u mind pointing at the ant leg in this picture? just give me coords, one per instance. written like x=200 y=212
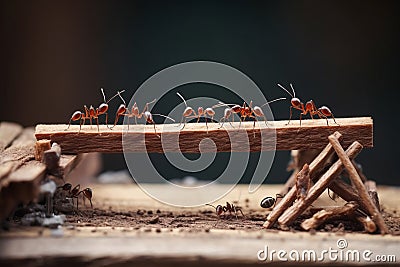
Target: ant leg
x=98 y=126
x=301 y=114
x=69 y=124
x=107 y=121
x=223 y=118
x=290 y=116
x=156 y=131
x=80 y=124
x=205 y=117
x=116 y=121
x=334 y=119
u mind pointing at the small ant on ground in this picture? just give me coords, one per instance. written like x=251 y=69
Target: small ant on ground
x=201 y=112
x=245 y=112
x=323 y=112
x=270 y=202
x=91 y=113
x=75 y=192
x=219 y=209
x=124 y=111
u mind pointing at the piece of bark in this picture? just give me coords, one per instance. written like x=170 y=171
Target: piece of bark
x=21 y=186
x=8 y=132
x=316 y=165
x=51 y=158
x=373 y=193
x=298 y=159
x=358 y=184
x=319 y=187
x=324 y=215
x=367 y=222
x=141 y=138
x=40 y=147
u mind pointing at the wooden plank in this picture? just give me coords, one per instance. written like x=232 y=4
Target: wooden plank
x=8 y=132
x=311 y=135
x=20 y=174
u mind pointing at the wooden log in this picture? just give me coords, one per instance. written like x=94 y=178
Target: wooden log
x=328 y=214
x=359 y=185
x=311 y=135
x=8 y=132
x=373 y=193
x=319 y=187
x=316 y=165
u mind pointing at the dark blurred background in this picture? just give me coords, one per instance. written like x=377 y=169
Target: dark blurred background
x=345 y=54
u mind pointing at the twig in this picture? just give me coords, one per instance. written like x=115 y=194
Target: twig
x=367 y=222
x=373 y=193
x=358 y=184
x=319 y=187
x=316 y=165
x=324 y=215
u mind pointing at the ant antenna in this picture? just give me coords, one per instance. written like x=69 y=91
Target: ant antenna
x=161 y=115
x=294 y=93
x=104 y=96
x=184 y=101
x=278 y=99
x=118 y=93
x=211 y=206
x=120 y=96
x=286 y=90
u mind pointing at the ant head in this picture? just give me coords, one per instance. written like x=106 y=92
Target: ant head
x=67 y=187
x=200 y=110
x=295 y=102
x=121 y=110
x=219 y=209
x=103 y=108
x=148 y=117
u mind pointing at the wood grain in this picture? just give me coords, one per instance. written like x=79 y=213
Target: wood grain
x=311 y=135
x=8 y=132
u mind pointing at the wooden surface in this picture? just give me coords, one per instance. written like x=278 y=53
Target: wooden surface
x=20 y=173
x=8 y=132
x=311 y=135
x=128 y=246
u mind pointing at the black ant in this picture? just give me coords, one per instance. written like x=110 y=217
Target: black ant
x=91 y=113
x=75 y=192
x=219 y=209
x=124 y=111
x=245 y=111
x=201 y=112
x=323 y=112
x=270 y=202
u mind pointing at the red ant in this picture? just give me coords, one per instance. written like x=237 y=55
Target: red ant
x=91 y=113
x=74 y=192
x=219 y=209
x=201 y=112
x=124 y=111
x=323 y=112
x=245 y=111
